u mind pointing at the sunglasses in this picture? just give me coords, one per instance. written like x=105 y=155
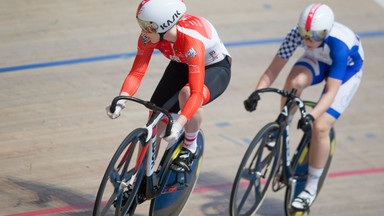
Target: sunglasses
x=147 y=26
x=312 y=35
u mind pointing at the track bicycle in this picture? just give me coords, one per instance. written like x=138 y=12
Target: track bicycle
x=132 y=177
x=267 y=162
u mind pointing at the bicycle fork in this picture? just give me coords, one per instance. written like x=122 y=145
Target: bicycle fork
x=284 y=162
x=150 y=167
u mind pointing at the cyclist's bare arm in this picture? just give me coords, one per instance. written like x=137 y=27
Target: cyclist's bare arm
x=271 y=73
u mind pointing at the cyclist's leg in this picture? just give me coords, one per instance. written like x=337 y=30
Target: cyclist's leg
x=306 y=72
x=193 y=125
x=173 y=80
x=302 y=75
x=216 y=80
x=320 y=142
x=165 y=95
x=319 y=151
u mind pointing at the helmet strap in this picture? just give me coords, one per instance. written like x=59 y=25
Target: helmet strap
x=162 y=36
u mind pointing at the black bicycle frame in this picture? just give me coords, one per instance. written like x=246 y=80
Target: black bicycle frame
x=155 y=182
x=283 y=130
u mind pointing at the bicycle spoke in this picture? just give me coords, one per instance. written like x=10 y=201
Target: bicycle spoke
x=108 y=204
x=262 y=164
x=122 y=182
x=266 y=163
x=117 y=192
x=111 y=198
x=254 y=174
x=247 y=192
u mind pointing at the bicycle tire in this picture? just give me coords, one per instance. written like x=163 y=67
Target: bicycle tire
x=173 y=202
x=118 y=173
x=300 y=161
x=257 y=159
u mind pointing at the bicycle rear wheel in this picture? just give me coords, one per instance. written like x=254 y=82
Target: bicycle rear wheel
x=255 y=172
x=299 y=166
x=116 y=195
x=179 y=186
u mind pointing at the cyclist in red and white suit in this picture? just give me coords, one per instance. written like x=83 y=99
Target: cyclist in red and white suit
x=199 y=70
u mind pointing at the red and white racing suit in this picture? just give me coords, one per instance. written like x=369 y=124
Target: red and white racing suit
x=198 y=46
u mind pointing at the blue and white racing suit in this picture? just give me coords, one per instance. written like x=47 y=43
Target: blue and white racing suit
x=340 y=57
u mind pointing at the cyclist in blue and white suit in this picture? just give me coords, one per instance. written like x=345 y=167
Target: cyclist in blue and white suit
x=333 y=53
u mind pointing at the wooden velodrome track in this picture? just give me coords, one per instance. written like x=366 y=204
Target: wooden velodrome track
x=62 y=62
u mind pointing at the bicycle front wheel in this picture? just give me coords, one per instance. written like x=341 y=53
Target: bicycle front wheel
x=120 y=182
x=255 y=172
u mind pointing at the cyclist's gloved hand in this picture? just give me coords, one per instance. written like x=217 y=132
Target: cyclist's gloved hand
x=306 y=123
x=175 y=133
x=119 y=106
x=251 y=103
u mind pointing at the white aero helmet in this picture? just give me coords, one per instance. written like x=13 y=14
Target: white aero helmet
x=316 y=22
x=159 y=16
